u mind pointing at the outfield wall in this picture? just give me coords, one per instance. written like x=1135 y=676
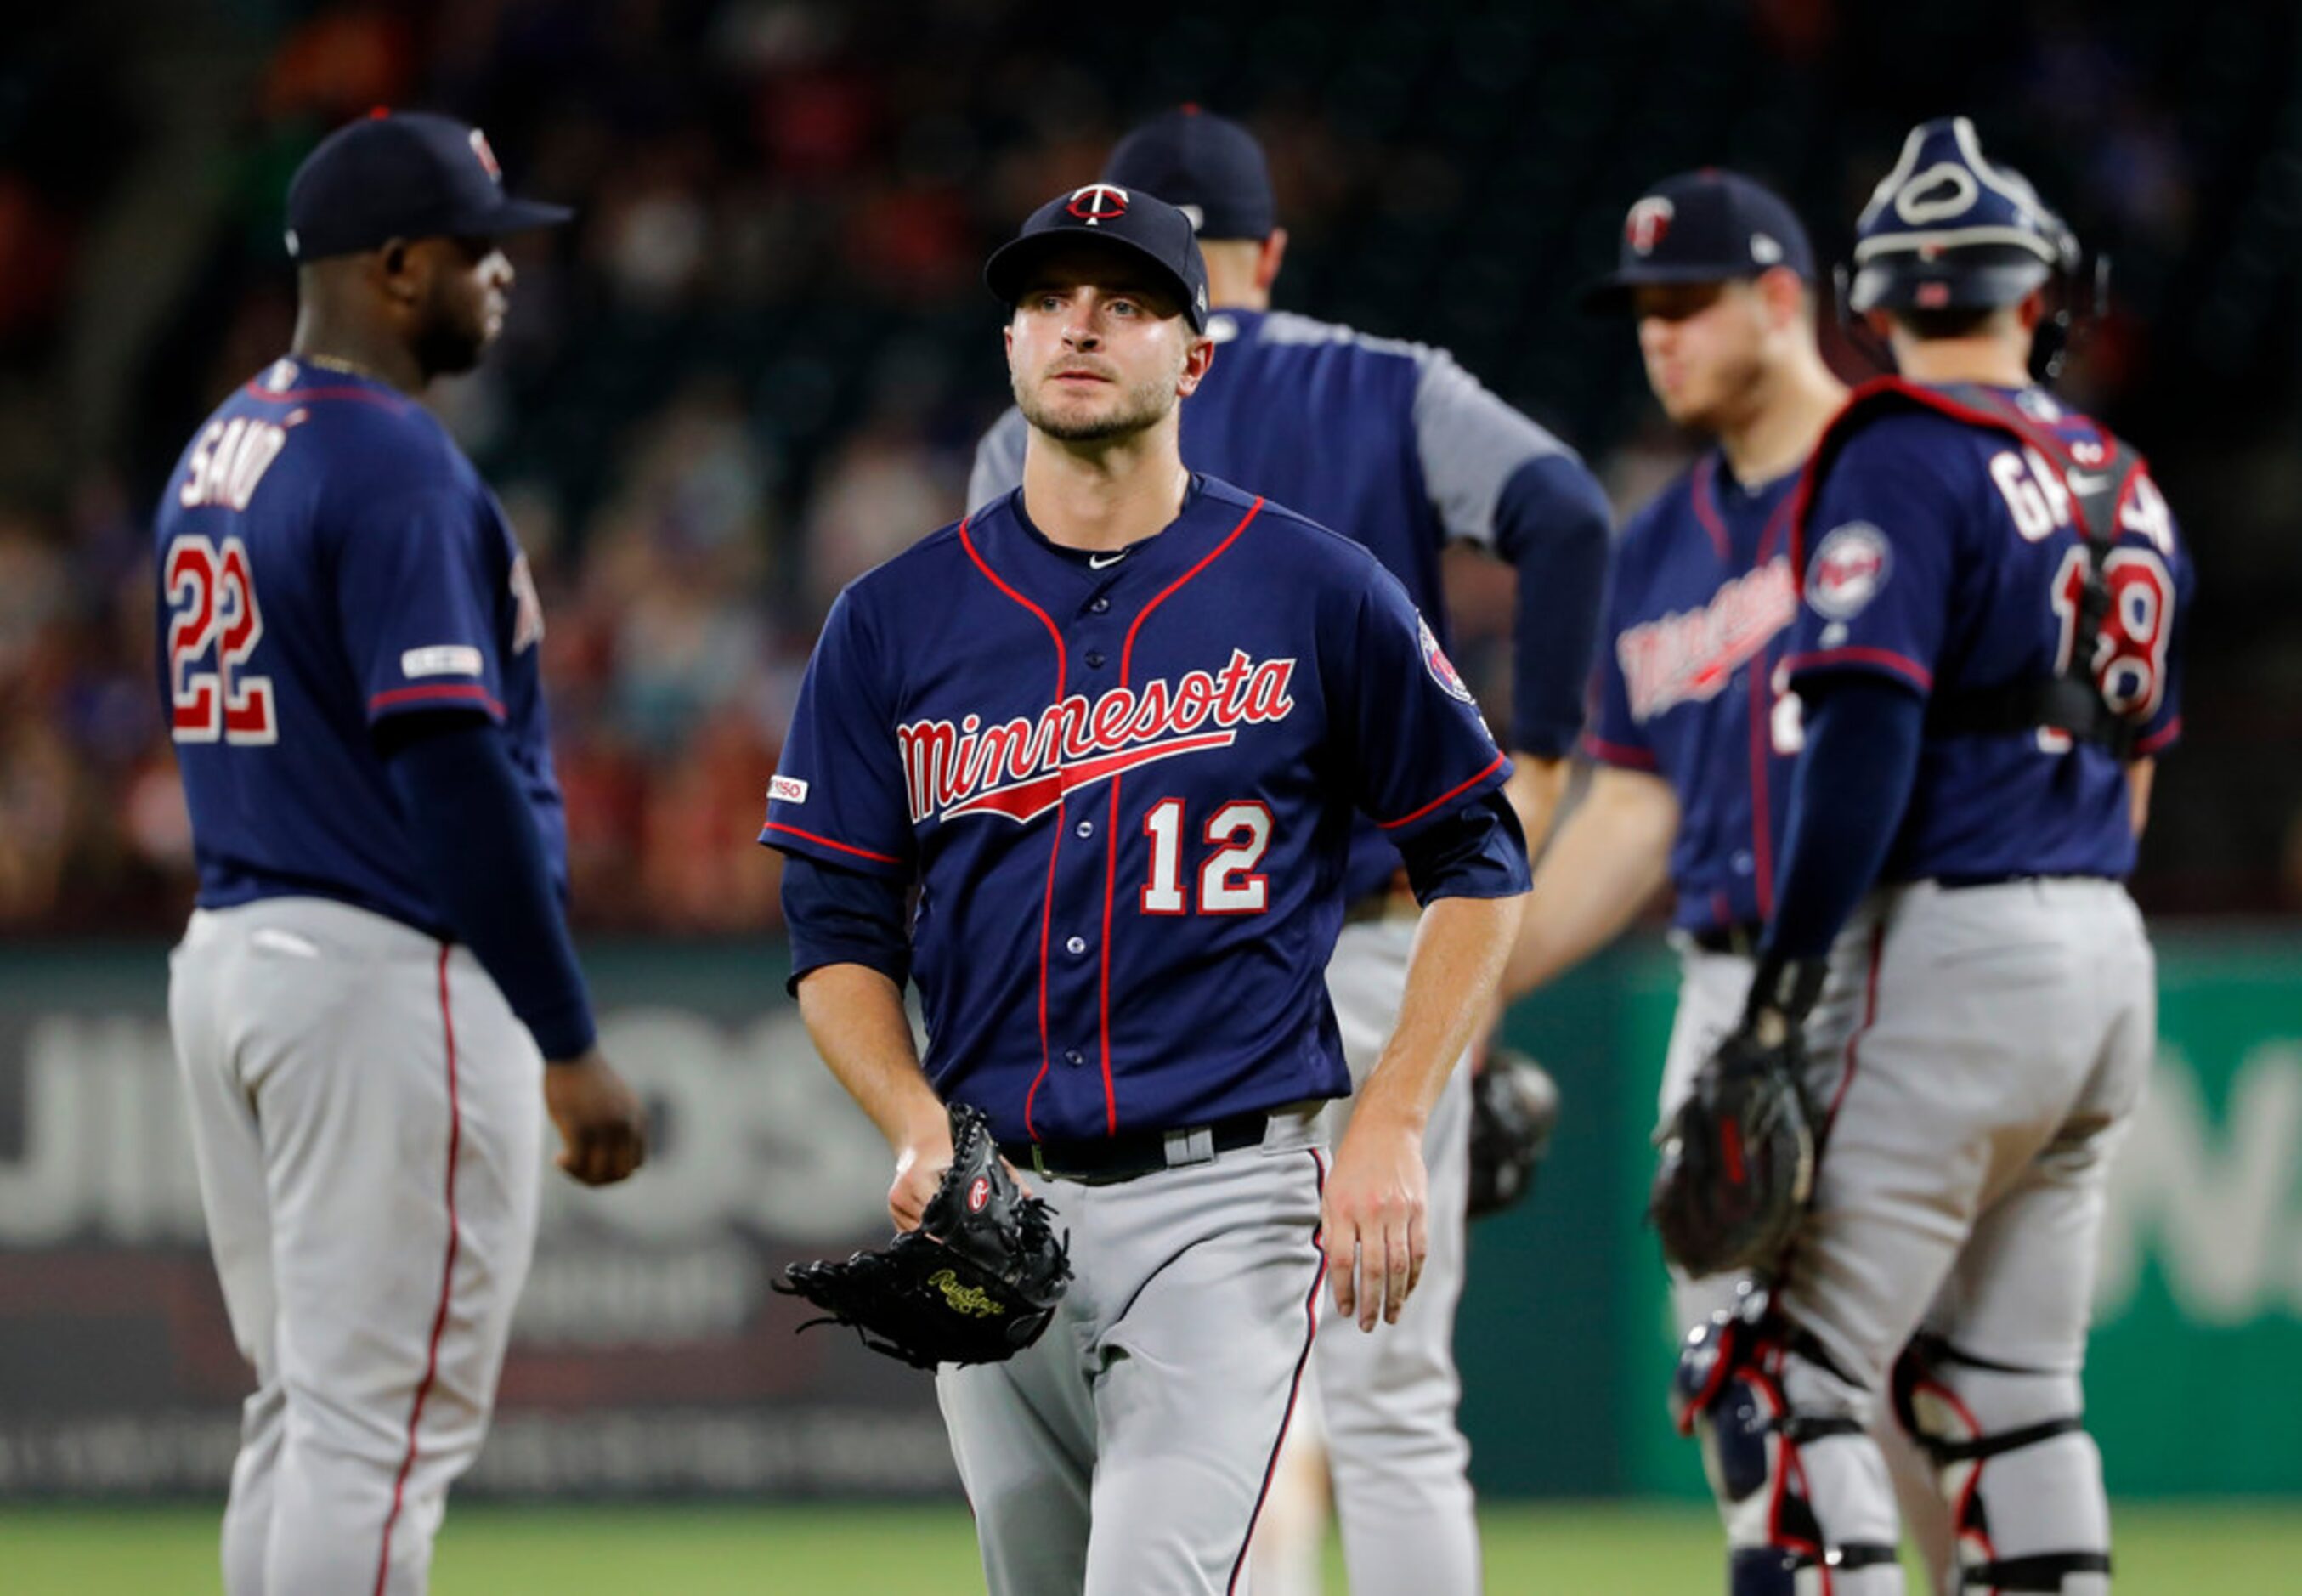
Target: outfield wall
x=650 y=1357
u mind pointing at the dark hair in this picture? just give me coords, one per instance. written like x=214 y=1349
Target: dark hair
x=1948 y=321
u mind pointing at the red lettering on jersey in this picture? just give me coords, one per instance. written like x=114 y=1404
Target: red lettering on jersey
x=1019 y=768
x=1690 y=655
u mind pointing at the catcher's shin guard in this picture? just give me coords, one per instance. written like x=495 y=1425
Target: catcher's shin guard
x=2012 y=1457
x=1803 y=1492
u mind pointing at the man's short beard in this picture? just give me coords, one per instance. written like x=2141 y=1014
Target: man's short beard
x=444 y=349
x=1147 y=406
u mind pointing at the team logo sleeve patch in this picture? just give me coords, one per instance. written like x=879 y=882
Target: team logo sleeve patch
x=1441 y=668
x=1849 y=567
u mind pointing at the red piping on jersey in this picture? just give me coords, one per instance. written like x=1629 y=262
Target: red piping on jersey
x=1619 y=753
x=1294 y=1387
x=447 y=1281
x=1702 y=488
x=294 y=396
x=1762 y=705
x=2160 y=738
x=443 y=692
x=1056 y=848
x=830 y=843
x=1110 y=833
x=1901 y=665
x=1489 y=768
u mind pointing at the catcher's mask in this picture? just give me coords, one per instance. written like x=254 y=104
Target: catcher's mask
x=1948 y=229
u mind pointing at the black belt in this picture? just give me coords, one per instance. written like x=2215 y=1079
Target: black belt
x=1961 y=882
x=1099 y=1160
x=1742 y=939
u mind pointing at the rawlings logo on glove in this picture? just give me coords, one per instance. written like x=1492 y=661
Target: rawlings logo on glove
x=976 y=1282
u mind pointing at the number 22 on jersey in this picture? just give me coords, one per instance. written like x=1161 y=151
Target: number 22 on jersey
x=212 y=607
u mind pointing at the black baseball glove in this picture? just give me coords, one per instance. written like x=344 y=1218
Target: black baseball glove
x=976 y=1282
x=1514 y=1109
x=1738 y=1157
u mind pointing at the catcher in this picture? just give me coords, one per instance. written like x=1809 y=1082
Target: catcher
x=1954 y=997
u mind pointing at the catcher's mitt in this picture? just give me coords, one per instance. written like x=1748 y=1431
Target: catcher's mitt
x=1738 y=1158
x=976 y=1282
x=1514 y=1109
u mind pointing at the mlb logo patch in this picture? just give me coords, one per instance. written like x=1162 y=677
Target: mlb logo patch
x=442 y=659
x=1849 y=567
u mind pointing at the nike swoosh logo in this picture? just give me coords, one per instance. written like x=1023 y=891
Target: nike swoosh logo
x=1096 y=562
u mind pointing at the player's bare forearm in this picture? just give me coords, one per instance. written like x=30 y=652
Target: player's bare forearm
x=1536 y=784
x=856 y=1016
x=1460 y=948
x=1610 y=858
x=1375 y=1211
x=2139 y=775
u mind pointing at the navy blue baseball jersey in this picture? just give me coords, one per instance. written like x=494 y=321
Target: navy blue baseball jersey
x=1689 y=684
x=1944 y=553
x=1125 y=786
x=1396 y=446
x=328 y=559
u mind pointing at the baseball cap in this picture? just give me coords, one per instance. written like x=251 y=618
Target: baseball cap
x=1116 y=218
x=1206 y=166
x=405 y=174
x=1705 y=226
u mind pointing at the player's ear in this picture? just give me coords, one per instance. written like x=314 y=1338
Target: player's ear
x=396 y=269
x=1273 y=254
x=1197 y=355
x=1783 y=292
x=2032 y=310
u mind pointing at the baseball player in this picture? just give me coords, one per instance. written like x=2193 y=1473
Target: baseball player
x=1990 y=589
x=1695 y=727
x=1397 y=447
x=378 y=971
x=1114 y=727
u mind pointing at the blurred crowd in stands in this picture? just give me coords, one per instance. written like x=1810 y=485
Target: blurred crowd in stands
x=758 y=363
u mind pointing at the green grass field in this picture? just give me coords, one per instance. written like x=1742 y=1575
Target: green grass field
x=1617 y=1551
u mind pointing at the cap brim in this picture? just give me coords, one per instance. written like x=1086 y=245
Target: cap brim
x=513 y=215
x=1007 y=273
x=1611 y=294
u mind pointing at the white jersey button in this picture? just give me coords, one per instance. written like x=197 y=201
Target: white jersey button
x=1086 y=827
x=1076 y=945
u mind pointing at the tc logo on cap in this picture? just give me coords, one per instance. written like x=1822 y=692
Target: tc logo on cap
x=1098 y=201
x=487 y=155
x=1648 y=223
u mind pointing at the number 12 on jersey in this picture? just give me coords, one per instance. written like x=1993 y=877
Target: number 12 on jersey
x=1228 y=881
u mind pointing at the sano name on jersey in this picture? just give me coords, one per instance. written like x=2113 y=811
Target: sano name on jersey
x=1021 y=768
